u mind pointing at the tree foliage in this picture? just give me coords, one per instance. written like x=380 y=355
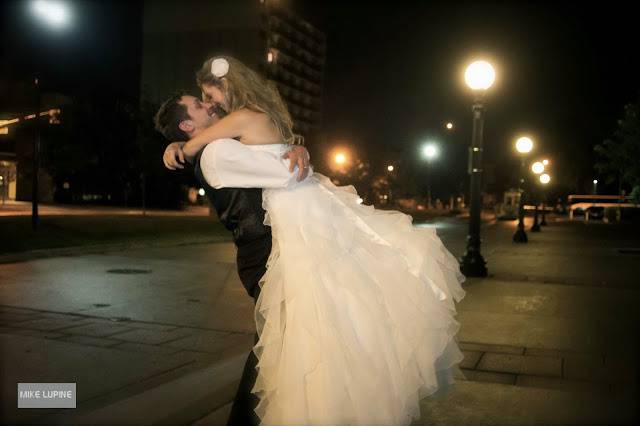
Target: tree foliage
x=620 y=154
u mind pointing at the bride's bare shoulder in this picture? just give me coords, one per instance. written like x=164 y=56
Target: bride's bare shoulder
x=248 y=113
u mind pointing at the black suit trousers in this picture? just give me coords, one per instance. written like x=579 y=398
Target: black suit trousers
x=252 y=261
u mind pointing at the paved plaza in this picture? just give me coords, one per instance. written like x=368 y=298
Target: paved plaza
x=159 y=335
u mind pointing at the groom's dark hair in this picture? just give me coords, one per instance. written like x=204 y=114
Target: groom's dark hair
x=169 y=116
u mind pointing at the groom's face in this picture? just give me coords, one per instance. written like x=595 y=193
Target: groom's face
x=201 y=114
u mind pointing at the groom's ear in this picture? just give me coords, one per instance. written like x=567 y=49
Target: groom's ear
x=186 y=126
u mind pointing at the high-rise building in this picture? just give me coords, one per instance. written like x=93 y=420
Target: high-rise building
x=268 y=36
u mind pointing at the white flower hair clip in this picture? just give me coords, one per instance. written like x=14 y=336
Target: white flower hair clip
x=219 y=67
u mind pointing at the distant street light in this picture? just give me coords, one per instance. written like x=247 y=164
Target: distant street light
x=545 y=162
x=449 y=126
x=524 y=145
x=390 y=168
x=479 y=76
x=537 y=167
x=429 y=152
x=544 y=180
x=595 y=186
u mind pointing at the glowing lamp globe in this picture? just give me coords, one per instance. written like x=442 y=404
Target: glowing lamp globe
x=537 y=167
x=545 y=178
x=480 y=75
x=524 y=145
x=429 y=151
x=55 y=14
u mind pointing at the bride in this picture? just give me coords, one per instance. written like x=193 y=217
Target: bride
x=356 y=314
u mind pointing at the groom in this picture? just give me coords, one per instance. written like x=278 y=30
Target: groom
x=182 y=117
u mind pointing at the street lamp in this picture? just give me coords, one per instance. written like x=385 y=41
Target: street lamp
x=390 y=168
x=537 y=168
x=544 y=180
x=479 y=76
x=429 y=152
x=524 y=145
x=595 y=186
x=449 y=126
x=55 y=15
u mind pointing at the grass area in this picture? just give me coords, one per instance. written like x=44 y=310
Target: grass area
x=16 y=234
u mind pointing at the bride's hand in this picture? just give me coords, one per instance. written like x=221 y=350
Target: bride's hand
x=172 y=153
x=298 y=155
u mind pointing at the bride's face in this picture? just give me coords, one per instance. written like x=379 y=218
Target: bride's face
x=213 y=94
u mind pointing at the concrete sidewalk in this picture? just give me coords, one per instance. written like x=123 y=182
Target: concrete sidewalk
x=159 y=335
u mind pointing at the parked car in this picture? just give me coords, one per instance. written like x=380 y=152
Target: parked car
x=578 y=211
x=595 y=212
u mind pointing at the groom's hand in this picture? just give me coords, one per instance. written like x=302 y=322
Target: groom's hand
x=298 y=156
x=172 y=154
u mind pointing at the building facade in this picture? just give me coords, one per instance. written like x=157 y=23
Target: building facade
x=268 y=36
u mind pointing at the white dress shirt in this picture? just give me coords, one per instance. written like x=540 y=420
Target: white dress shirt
x=227 y=163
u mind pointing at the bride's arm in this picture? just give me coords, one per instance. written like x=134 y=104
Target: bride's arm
x=231 y=126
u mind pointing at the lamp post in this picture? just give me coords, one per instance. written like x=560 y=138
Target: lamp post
x=536 y=168
x=544 y=180
x=595 y=186
x=429 y=152
x=479 y=76
x=36 y=158
x=54 y=15
x=524 y=145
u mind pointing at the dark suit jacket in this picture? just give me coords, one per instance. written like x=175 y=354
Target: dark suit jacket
x=240 y=211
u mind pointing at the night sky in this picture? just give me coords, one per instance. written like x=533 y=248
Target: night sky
x=564 y=74
x=394 y=73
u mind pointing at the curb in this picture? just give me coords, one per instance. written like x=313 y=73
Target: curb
x=103 y=248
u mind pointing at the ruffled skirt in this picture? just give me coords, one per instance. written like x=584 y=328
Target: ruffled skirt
x=356 y=314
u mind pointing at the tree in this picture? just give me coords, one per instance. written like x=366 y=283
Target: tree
x=620 y=154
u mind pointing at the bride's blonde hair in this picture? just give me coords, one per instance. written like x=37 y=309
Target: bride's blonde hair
x=245 y=88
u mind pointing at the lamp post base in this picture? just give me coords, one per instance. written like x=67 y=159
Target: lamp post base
x=536 y=223
x=520 y=236
x=472 y=264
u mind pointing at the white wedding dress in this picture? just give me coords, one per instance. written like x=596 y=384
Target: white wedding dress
x=356 y=311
